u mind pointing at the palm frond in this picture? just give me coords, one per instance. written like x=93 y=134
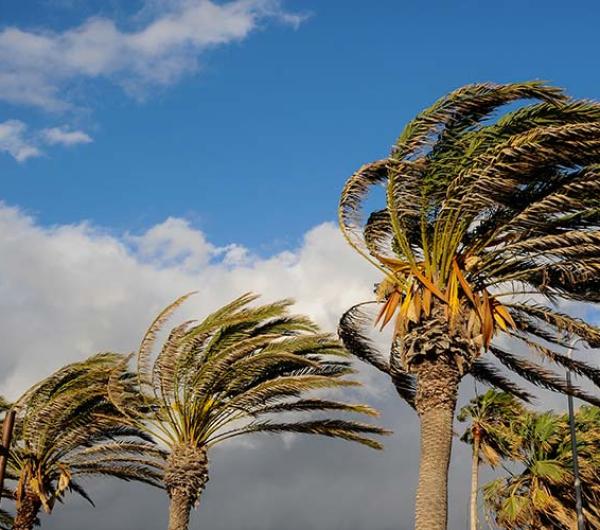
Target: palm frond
x=487 y=373
x=346 y=430
x=540 y=376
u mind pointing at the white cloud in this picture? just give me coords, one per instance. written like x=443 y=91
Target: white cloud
x=21 y=143
x=71 y=290
x=15 y=141
x=38 y=63
x=64 y=136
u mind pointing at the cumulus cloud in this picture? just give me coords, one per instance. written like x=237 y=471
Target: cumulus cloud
x=83 y=290
x=17 y=140
x=64 y=136
x=14 y=140
x=38 y=63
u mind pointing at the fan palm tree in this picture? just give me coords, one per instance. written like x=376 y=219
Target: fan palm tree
x=67 y=429
x=492 y=434
x=229 y=375
x=542 y=496
x=486 y=224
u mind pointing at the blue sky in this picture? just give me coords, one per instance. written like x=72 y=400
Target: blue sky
x=254 y=145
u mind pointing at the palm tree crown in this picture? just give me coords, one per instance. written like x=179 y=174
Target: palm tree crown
x=478 y=212
x=67 y=429
x=487 y=224
x=541 y=495
x=229 y=375
x=493 y=418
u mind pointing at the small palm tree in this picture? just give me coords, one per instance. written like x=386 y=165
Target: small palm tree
x=493 y=435
x=229 y=375
x=541 y=496
x=486 y=225
x=67 y=429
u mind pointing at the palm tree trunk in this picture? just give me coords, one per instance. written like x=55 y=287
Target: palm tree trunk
x=186 y=474
x=475 y=479
x=435 y=401
x=28 y=507
x=180 y=507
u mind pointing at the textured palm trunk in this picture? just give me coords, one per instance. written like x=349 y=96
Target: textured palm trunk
x=435 y=402
x=180 y=506
x=475 y=479
x=186 y=474
x=28 y=507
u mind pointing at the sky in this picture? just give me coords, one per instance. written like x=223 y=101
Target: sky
x=153 y=147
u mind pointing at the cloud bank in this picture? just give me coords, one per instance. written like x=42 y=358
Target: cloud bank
x=83 y=290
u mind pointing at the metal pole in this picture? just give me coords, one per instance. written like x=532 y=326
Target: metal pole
x=7 y=429
x=578 y=502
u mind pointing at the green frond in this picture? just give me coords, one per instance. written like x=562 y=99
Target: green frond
x=350 y=207
x=346 y=430
x=540 y=376
x=570 y=326
x=464 y=108
x=310 y=405
x=77 y=488
x=350 y=331
x=487 y=373
x=145 y=350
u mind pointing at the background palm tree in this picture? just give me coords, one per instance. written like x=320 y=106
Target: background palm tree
x=6 y=520
x=67 y=429
x=487 y=224
x=541 y=496
x=492 y=433
x=229 y=375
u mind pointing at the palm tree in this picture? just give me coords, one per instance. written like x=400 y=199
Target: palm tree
x=487 y=223
x=67 y=429
x=492 y=434
x=6 y=521
x=227 y=376
x=542 y=496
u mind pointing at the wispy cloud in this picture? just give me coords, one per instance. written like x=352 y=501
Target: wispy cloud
x=14 y=141
x=17 y=140
x=38 y=64
x=64 y=136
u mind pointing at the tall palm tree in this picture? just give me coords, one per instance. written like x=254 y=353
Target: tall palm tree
x=230 y=375
x=67 y=429
x=492 y=434
x=541 y=496
x=486 y=225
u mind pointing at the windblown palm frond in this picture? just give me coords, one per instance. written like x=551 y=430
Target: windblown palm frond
x=481 y=211
x=229 y=375
x=66 y=429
